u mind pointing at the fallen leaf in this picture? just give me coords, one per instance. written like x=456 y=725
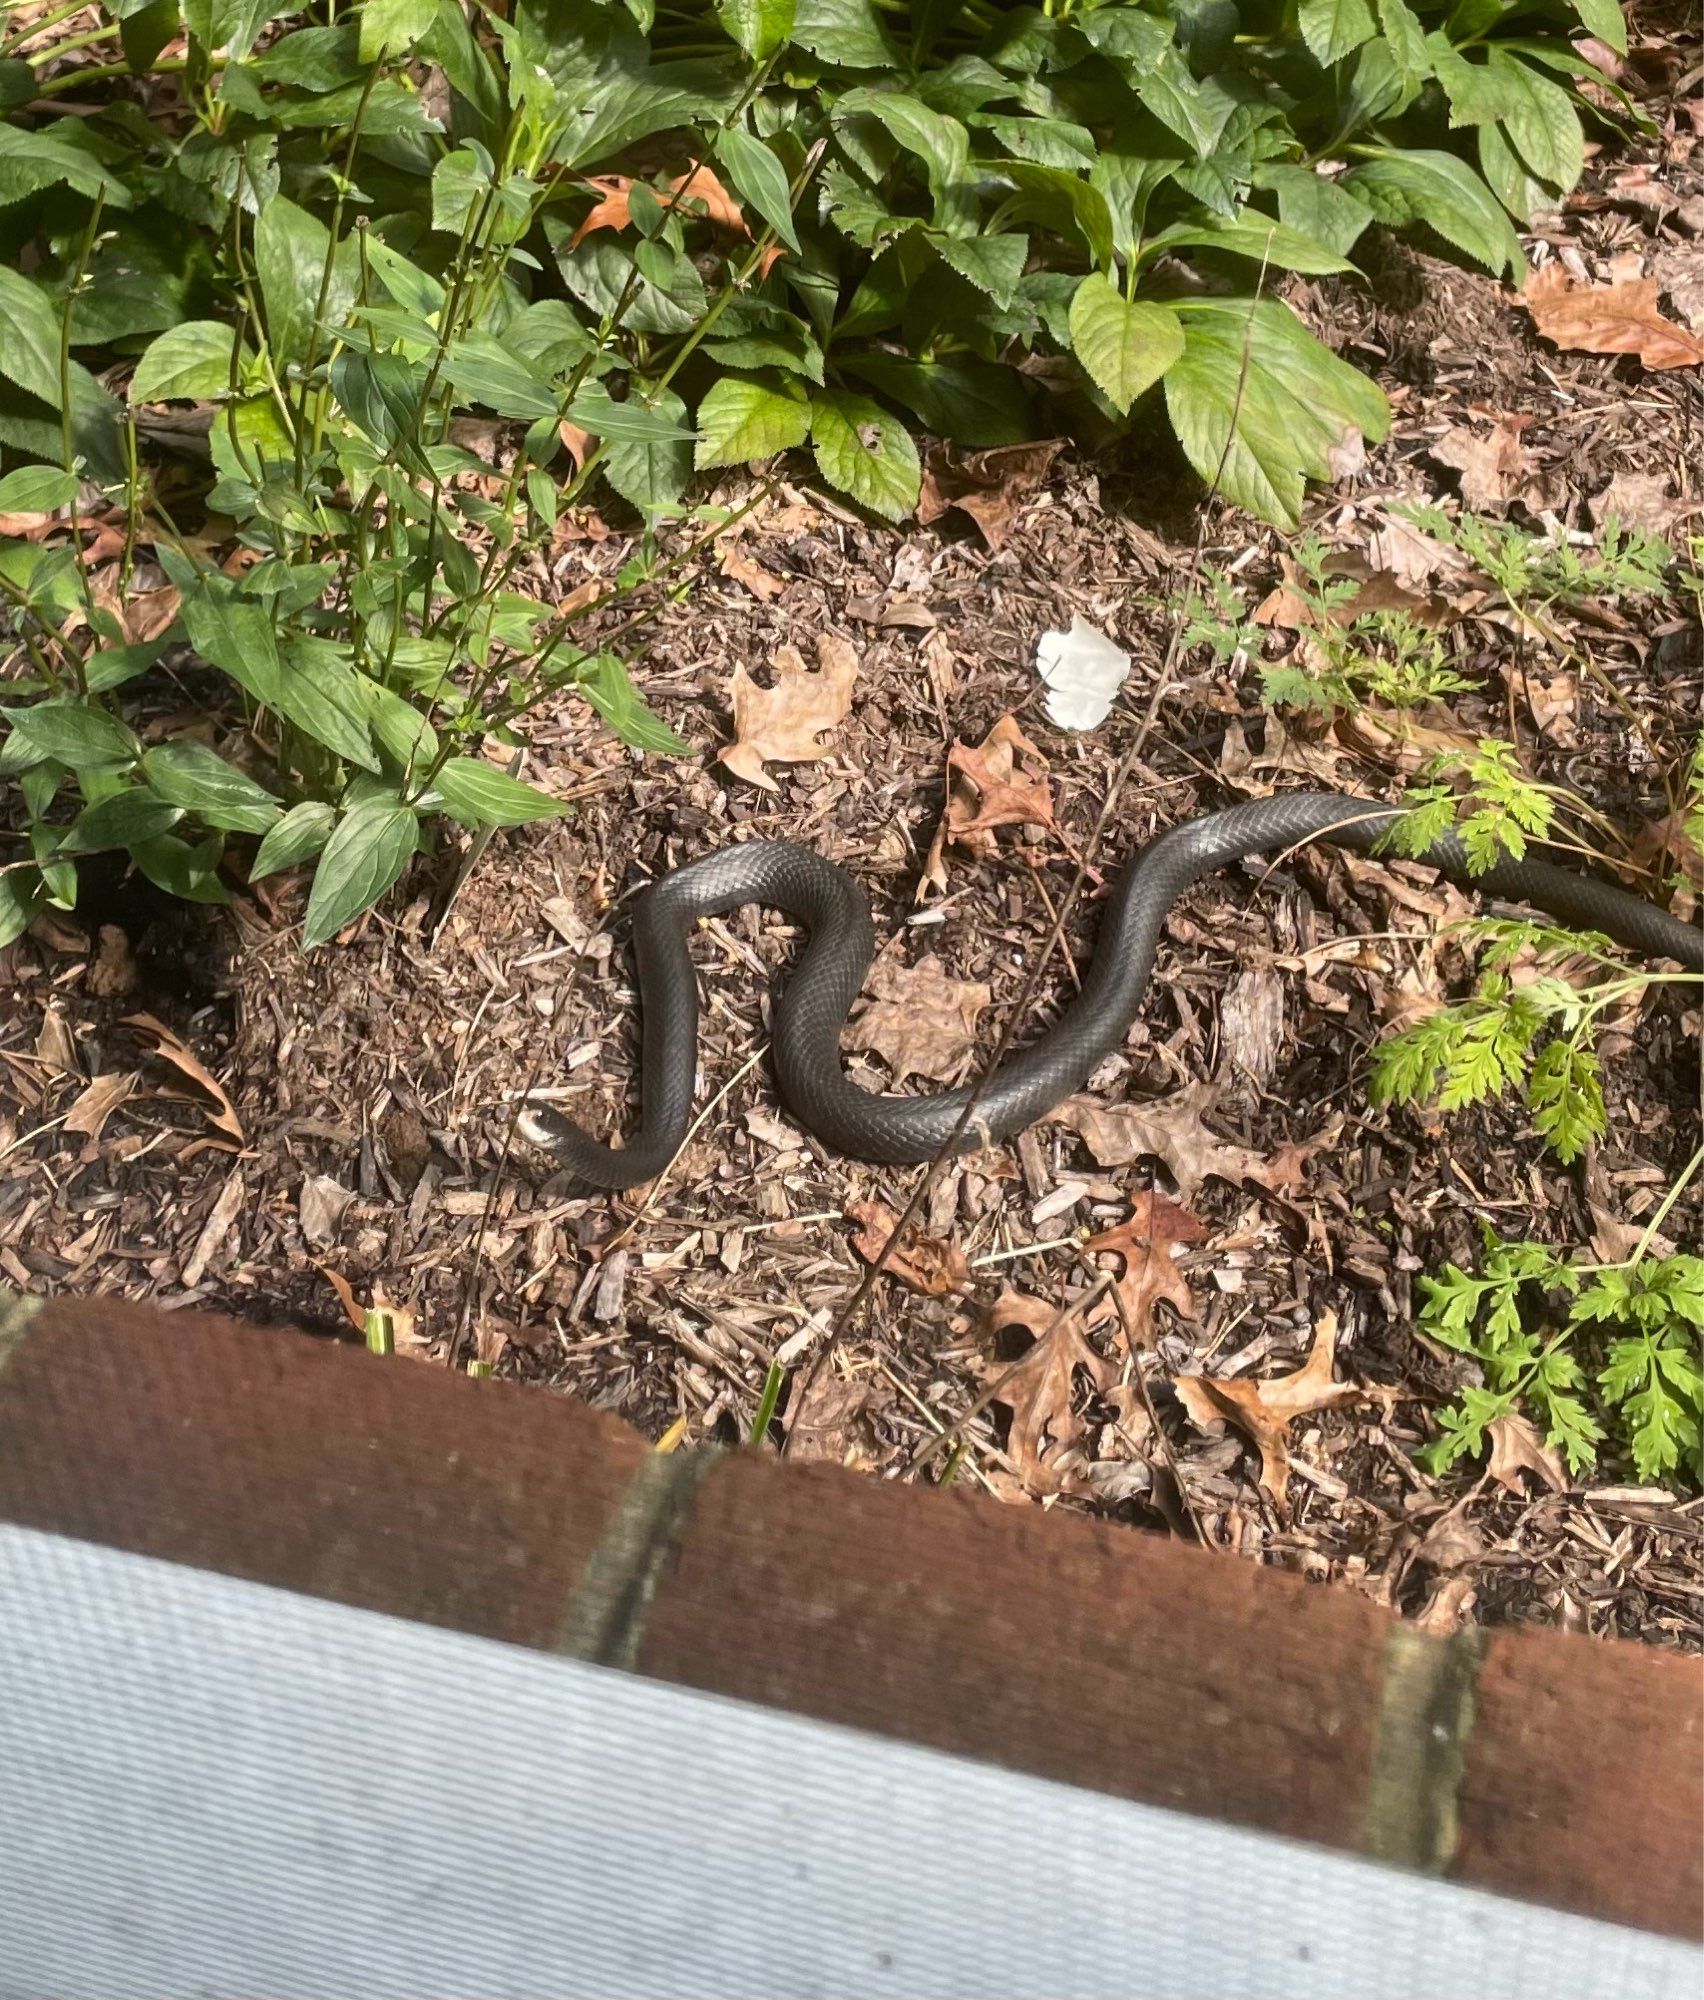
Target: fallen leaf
x=919 y=1019
x=1516 y=1447
x=825 y=1424
x=167 y=1045
x=781 y=724
x=1640 y=500
x=1446 y=1610
x=1083 y=670
x=610 y=212
x=1494 y=465
x=1001 y=781
x=1038 y=1391
x=928 y=1264
x=97 y=1101
x=989 y=486
x=1251 y=1022
x=217 y=1229
x=1617 y=318
x=701 y=185
x=1265 y=1410
x=762 y=583
x=382 y=1313
x=1172 y=1131
x=1144 y=1243
x=576 y=442
x=112 y=970
x=1679 y=271
x=321 y=1207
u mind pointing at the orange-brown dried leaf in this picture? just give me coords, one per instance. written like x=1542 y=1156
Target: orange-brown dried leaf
x=928 y=1264
x=1264 y=1411
x=1144 y=1244
x=989 y=486
x=1001 y=781
x=610 y=212
x=1517 y=1448
x=781 y=724
x=701 y=185
x=223 y=1117
x=1039 y=1390
x=919 y=1019
x=1173 y=1131
x=1617 y=318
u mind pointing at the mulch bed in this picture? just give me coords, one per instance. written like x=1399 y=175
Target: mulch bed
x=374 y=1084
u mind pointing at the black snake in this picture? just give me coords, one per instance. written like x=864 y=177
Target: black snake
x=813 y=1007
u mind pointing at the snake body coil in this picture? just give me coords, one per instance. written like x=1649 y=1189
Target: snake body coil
x=813 y=1007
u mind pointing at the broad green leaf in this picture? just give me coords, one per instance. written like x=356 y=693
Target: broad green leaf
x=1052 y=142
x=760 y=27
x=993 y=264
x=382 y=394
x=760 y=179
x=202 y=782
x=651 y=473
x=1604 y=19
x=1125 y=345
x=1334 y=29
x=22 y=893
x=605 y=683
x=31 y=161
x=1479 y=92
x=190 y=873
x=369 y=849
x=1541 y=123
x=862 y=450
x=411 y=287
x=1184 y=103
x=186 y=362
x=1448 y=196
x=941 y=143
x=482 y=370
x=232 y=631
x=966 y=401
x=399 y=728
x=1405 y=39
x=122 y=820
x=392 y=27
x=112 y=666
x=85 y=738
x=36 y=489
x=792 y=347
x=297 y=837
x=1510 y=179
x=462 y=185
x=317 y=59
x=478 y=794
x=845 y=32
x=633 y=422
x=1260 y=406
x=322 y=695
x=230 y=24
x=1134 y=40
x=1063 y=201
x=1255 y=236
x=29 y=336
x=290 y=251
x=743 y=419
x=1315 y=206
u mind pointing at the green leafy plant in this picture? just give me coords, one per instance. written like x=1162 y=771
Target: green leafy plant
x=1547 y=1331
x=1533 y=1035
x=262 y=294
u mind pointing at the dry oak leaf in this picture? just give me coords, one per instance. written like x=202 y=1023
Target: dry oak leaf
x=1171 y=1131
x=97 y=1101
x=1516 y=1447
x=1039 y=1389
x=919 y=1019
x=1617 y=318
x=928 y=1264
x=1494 y=465
x=1001 y=781
x=700 y=184
x=224 y=1118
x=826 y=1422
x=989 y=486
x=762 y=583
x=1265 y=1410
x=611 y=211
x=1144 y=1242
x=781 y=724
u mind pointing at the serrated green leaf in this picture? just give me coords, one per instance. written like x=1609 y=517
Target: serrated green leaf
x=186 y=362
x=993 y=264
x=1541 y=122
x=863 y=451
x=1445 y=194
x=392 y=27
x=966 y=401
x=29 y=336
x=37 y=489
x=743 y=419
x=1255 y=236
x=651 y=473
x=1125 y=345
x=22 y=893
x=1334 y=29
x=369 y=848
x=760 y=27
x=1605 y=20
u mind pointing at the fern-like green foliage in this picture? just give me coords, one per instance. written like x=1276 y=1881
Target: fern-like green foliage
x=1494 y=1043
x=1550 y=1332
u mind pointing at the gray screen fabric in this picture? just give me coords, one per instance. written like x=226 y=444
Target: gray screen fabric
x=211 y=1787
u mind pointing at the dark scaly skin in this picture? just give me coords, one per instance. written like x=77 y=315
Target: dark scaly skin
x=813 y=1007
